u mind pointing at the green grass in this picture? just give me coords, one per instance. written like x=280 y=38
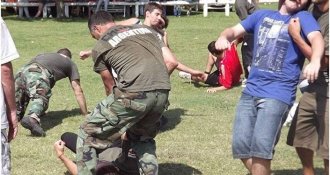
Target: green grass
x=197 y=138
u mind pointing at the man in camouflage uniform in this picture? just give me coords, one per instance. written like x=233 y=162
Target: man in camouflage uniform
x=133 y=109
x=36 y=79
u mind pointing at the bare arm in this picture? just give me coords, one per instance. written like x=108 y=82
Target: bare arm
x=108 y=81
x=229 y=35
x=7 y=81
x=78 y=92
x=216 y=89
x=69 y=164
x=294 y=31
x=170 y=60
x=312 y=69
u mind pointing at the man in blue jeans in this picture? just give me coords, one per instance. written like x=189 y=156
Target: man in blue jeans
x=271 y=86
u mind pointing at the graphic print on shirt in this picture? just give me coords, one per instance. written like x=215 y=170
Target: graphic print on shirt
x=117 y=35
x=272 y=45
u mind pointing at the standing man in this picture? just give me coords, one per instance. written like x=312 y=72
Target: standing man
x=7 y=97
x=309 y=131
x=271 y=86
x=243 y=9
x=35 y=82
x=133 y=109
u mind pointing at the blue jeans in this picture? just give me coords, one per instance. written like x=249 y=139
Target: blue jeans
x=257 y=126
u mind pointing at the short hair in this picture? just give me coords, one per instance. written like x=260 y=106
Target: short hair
x=213 y=50
x=166 y=20
x=151 y=6
x=99 y=18
x=65 y=51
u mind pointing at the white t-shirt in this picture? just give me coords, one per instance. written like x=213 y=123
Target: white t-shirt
x=8 y=53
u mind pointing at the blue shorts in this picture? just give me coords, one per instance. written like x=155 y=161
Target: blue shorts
x=257 y=126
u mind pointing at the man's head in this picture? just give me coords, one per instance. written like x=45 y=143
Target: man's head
x=152 y=13
x=66 y=52
x=293 y=6
x=162 y=24
x=99 y=23
x=213 y=50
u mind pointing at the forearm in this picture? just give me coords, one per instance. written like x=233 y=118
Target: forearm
x=303 y=46
x=80 y=97
x=7 y=81
x=69 y=164
x=317 y=49
x=82 y=102
x=169 y=59
x=184 y=68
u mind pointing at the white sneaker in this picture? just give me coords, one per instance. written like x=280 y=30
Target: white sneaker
x=185 y=75
x=243 y=83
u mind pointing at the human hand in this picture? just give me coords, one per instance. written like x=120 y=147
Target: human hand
x=85 y=54
x=59 y=148
x=294 y=27
x=311 y=71
x=13 y=125
x=222 y=43
x=211 y=90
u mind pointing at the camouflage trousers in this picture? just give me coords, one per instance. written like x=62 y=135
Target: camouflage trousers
x=5 y=153
x=32 y=82
x=120 y=112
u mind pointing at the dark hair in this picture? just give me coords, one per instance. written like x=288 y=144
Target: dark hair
x=213 y=50
x=99 y=18
x=166 y=20
x=151 y=6
x=65 y=51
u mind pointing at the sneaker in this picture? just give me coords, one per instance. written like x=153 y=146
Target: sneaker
x=33 y=125
x=185 y=75
x=243 y=84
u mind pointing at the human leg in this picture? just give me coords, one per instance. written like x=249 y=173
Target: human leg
x=260 y=166
x=247 y=53
x=243 y=129
x=21 y=97
x=271 y=114
x=306 y=158
x=38 y=88
x=108 y=121
x=5 y=153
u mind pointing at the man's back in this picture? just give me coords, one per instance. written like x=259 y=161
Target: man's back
x=59 y=65
x=135 y=53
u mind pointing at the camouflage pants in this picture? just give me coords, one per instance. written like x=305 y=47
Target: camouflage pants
x=5 y=153
x=32 y=82
x=137 y=113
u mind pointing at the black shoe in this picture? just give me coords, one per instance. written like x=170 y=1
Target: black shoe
x=33 y=125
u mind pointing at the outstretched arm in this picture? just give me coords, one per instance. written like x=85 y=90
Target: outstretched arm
x=229 y=35
x=7 y=82
x=170 y=60
x=69 y=164
x=78 y=92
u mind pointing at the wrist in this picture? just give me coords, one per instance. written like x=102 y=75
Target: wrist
x=60 y=156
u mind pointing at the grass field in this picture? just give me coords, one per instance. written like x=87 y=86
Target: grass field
x=197 y=138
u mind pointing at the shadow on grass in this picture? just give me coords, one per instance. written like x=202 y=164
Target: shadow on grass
x=318 y=171
x=172 y=117
x=54 y=118
x=177 y=168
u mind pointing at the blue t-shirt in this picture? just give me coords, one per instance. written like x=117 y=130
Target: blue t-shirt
x=277 y=60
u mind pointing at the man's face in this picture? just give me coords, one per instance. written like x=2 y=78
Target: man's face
x=295 y=5
x=154 y=17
